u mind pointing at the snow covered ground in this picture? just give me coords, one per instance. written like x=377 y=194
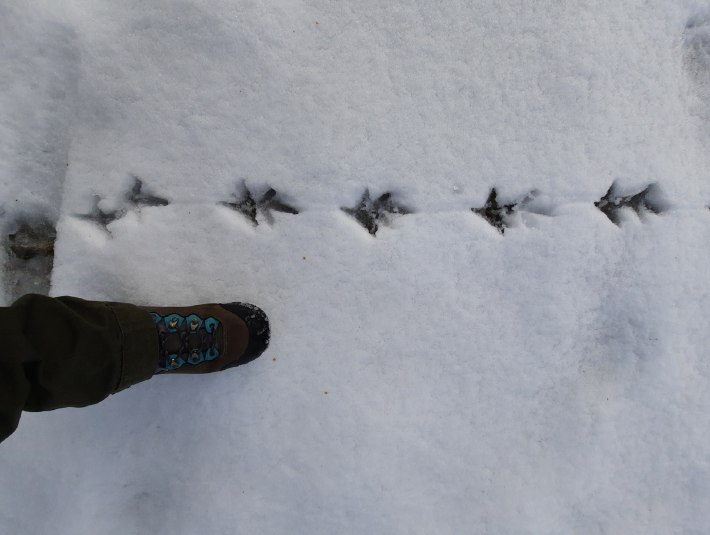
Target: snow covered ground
x=437 y=376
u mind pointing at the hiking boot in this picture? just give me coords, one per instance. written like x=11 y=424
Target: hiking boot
x=209 y=338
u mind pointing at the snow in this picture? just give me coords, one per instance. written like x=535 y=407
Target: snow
x=438 y=377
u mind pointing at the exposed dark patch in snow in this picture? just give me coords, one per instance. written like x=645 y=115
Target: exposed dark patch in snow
x=137 y=197
x=500 y=215
x=613 y=203
x=31 y=240
x=102 y=217
x=30 y=256
x=373 y=213
x=246 y=204
x=495 y=213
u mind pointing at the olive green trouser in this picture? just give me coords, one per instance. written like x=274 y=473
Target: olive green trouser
x=67 y=352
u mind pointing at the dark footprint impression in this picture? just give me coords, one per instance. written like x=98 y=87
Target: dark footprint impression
x=103 y=218
x=30 y=256
x=500 y=215
x=246 y=204
x=373 y=213
x=612 y=204
x=136 y=198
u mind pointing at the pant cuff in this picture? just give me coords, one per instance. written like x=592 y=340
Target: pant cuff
x=139 y=346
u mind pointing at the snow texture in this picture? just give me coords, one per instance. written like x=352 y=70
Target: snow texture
x=444 y=359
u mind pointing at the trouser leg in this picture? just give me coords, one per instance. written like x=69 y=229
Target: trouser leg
x=68 y=352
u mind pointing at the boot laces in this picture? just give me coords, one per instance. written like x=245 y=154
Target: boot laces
x=185 y=340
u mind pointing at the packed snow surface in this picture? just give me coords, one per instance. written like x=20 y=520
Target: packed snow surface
x=441 y=361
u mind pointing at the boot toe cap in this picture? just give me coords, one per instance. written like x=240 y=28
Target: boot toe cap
x=259 y=330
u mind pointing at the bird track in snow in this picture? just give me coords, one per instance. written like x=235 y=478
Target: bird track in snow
x=372 y=212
